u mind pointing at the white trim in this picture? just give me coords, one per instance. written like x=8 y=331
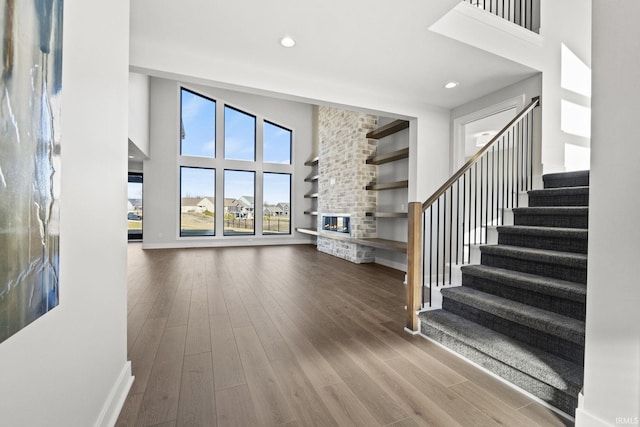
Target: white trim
x=389 y=263
x=585 y=419
x=115 y=401
x=502 y=380
x=457 y=148
x=409 y=331
x=497 y=23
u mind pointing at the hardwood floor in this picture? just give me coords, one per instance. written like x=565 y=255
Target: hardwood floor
x=285 y=335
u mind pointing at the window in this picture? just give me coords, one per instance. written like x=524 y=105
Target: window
x=276 y=144
x=197 y=201
x=276 y=193
x=134 y=206
x=246 y=161
x=197 y=125
x=239 y=201
x=239 y=135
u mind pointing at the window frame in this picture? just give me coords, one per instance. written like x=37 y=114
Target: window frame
x=224 y=136
x=265 y=121
x=215 y=179
x=264 y=232
x=215 y=124
x=220 y=164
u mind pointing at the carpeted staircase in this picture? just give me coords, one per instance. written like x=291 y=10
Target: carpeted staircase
x=521 y=312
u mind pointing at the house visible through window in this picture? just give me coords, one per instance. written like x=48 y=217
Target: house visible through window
x=239 y=186
x=197 y=201
x=276 y=202
x=255 y=171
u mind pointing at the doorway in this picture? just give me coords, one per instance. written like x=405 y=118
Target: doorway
x=472 y=131
x=134 y=206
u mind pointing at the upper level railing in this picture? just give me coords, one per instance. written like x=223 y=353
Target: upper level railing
x=458 y=214
x=525 y=13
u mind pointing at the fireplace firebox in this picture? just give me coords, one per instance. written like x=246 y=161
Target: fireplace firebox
x=336 y=223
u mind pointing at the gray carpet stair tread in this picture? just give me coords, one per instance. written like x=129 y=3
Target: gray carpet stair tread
x=529 y=230
x=554 y=210
x=535 y=318
x=551 y=369
x=540 y=255
x=545 y=285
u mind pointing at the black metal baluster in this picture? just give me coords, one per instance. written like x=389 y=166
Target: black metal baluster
x=458 y=221
x=531 y=141
x=464 y=210
x=450 y=230
x=437 y=242
x=493 y=177
x=475 y=203
x=509 y=162
x=430 y=250
x=513 y=167
x=481 y=194
x=444 y=237
x=502 y=179
x=486 y=208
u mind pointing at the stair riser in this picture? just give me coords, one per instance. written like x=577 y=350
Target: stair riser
x=553 y=243
x=547 y=342
x=564 y=221
x=565 y=401
x=563 y=200
x=558 y=181
x=555 y=304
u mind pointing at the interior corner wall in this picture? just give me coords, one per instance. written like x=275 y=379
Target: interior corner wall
x=161 y=179
x=612 y=351
x=139 y=86
x=69 y=367
x=429 y=138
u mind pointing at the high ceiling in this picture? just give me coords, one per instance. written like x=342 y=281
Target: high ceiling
x=365 y=45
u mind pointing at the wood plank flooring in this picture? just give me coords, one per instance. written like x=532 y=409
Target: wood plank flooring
x=285 y=335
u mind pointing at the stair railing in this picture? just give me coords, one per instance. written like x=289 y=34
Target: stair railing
x=444 y=229
x=525 y=13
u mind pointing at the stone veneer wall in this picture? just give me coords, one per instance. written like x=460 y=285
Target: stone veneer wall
x=343 y=149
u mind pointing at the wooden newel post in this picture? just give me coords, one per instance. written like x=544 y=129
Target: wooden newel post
x=414 y=266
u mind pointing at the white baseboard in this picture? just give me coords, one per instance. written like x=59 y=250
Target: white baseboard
x=117 y=396
x=391 y=264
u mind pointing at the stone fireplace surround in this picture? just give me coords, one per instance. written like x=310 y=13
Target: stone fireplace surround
x=343 y=149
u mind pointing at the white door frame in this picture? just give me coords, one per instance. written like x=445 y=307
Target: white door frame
x=458 y=147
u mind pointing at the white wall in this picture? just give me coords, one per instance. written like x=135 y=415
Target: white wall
x=563 y=22
x=612 y=361
x=69 y=367
x=139 y=111
x=161 y=180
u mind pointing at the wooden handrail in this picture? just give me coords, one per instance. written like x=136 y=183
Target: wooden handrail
x=440 y=191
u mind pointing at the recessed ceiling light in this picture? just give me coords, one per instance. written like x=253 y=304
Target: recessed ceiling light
x=451 y=85
x=287 y=41
x=131 y=157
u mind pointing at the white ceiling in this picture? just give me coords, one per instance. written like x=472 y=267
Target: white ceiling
x=369 y=45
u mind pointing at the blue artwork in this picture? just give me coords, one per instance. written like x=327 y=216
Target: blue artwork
x=31 y=54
